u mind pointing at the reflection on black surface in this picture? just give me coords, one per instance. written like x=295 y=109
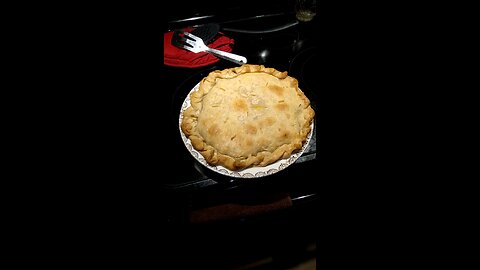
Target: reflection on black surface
x=268 y=49
x=304 y=67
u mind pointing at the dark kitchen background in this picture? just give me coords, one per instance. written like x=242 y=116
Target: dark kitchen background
x=115 y=183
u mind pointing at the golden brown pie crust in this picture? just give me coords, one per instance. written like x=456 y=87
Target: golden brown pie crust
x=247 y=116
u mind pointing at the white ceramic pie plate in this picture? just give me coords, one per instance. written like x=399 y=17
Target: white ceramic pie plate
x=252 y=172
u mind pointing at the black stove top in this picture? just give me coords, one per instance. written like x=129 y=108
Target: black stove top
x=273 y=40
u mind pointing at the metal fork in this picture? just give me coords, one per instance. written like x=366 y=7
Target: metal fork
x=196 y=45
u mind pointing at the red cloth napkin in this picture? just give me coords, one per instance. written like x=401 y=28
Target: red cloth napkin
x=178 y=57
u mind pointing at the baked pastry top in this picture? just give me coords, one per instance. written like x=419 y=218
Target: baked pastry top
x=247 y=116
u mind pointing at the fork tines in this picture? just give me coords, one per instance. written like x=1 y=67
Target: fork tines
x=179 y=39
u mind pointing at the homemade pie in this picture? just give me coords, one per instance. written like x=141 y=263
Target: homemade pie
x=247 y=116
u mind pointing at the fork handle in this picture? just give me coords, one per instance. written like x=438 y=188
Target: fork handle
x=228 y=56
